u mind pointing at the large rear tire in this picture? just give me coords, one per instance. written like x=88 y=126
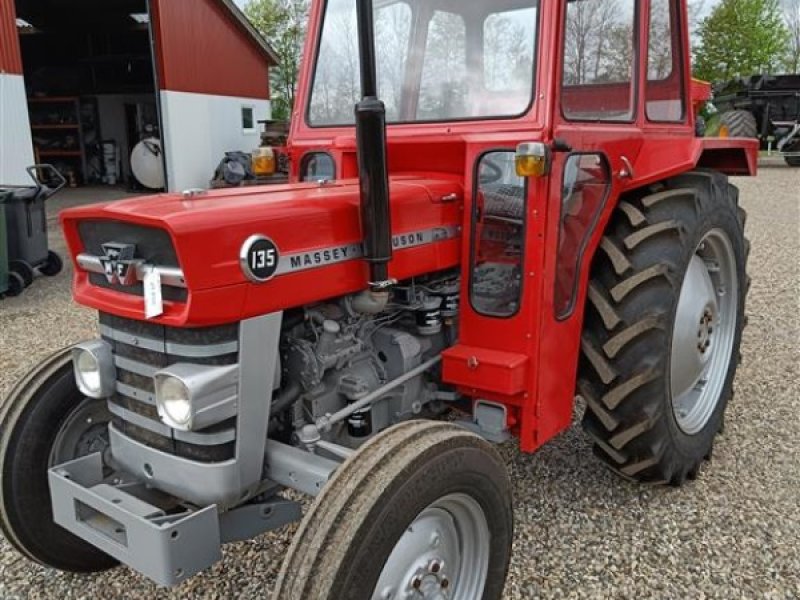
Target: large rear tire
x=663 y=326
x=738 y=123
x=46 y=421
x=422 y=509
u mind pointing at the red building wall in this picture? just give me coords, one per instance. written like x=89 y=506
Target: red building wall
x=10 y=56
x=202 y=49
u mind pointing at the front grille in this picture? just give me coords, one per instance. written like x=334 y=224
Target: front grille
x=152 y=244
x=140 y=349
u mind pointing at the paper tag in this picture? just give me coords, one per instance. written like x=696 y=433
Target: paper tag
x=153 y=302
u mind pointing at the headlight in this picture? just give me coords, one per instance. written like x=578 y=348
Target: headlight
x=174 y=402
x=93 y=365
x=193 y=397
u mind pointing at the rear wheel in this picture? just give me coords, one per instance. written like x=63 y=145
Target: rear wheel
x=46 y=421
x=738 y=123
x=52 y=265
x=23 y=269
x=663 y=327
x=423 y=510
x=16 y=284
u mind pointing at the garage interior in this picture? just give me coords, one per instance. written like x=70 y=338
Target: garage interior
x=90 y=83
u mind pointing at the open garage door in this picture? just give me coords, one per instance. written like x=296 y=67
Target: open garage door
x=112 y=84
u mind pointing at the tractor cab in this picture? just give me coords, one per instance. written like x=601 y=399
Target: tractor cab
x=545 y=112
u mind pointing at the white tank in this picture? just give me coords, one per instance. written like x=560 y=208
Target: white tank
x=147 y=163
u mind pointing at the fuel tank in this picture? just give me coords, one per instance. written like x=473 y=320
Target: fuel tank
x=200 y=241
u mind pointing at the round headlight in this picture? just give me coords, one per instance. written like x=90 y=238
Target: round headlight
x=88 y=370
x=175 y=407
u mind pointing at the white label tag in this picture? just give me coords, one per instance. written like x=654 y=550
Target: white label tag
x=153 y=302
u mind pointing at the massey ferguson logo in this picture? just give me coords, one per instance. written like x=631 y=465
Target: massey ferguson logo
x=119 y=265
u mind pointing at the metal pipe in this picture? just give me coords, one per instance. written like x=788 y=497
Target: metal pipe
x=370 y=117
x=325 y=423
x=366 y=48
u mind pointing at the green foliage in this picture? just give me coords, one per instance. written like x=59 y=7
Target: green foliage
x=792 y=10
x=283 y=23
x=741 y=38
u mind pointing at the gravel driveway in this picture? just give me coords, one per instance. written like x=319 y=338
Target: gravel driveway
x=580 y=531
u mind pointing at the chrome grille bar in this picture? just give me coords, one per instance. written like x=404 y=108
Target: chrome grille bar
x=170 y=276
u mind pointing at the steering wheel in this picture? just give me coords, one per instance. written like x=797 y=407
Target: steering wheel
x=495 y=173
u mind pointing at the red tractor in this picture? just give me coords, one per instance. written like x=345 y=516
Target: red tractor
x=519 y=207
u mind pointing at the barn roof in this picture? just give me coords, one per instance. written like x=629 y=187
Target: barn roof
x=248 y=28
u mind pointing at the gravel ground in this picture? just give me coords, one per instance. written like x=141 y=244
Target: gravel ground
x=580 y=531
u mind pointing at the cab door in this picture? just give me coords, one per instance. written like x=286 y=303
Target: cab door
x=620 y=119
x=597 y=132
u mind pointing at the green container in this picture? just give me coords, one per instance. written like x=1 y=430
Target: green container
x=4 y=195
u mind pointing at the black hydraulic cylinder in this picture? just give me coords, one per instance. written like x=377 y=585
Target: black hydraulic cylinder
x=370 y=115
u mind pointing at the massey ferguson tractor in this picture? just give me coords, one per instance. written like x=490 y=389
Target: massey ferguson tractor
x=496 y=206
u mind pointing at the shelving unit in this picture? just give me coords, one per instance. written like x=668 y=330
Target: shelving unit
x=53 y=120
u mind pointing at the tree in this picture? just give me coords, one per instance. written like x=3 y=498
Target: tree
x=283 y=23
x=740 y=38
x=791 y=10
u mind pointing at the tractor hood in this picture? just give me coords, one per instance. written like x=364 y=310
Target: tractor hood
x=197 y=243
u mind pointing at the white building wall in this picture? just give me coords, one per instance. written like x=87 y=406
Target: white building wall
x=16 y=146
x=199 y=129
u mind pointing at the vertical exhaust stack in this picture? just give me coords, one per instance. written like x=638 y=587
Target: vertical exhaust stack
x=373 y=173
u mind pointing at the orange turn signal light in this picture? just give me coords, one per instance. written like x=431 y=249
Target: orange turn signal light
x=533 y=159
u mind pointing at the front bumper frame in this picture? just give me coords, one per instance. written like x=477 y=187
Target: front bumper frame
x=168 y=548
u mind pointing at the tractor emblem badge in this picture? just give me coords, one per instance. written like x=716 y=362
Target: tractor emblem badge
x=119 y=264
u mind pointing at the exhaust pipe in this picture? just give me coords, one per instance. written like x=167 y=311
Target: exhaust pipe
x=370 y=112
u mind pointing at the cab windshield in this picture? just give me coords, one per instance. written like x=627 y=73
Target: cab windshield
x=438 y=60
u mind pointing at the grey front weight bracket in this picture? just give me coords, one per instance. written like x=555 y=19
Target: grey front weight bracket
x=168 y=548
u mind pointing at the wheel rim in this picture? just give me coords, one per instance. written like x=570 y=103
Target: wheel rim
x=704 y=332
x=443 y=554
x=84 y=432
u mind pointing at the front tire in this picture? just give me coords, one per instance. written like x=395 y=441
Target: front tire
x=46 y=421
x=663 y=327
x=422 y=508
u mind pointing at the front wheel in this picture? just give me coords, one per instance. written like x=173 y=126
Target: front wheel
x=46 y=421
x=663 y=325
x=423 y=510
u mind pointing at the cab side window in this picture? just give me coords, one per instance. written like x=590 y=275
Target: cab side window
x=599 y=61
x=498 y=234
x=664 y=90
x=585 y=187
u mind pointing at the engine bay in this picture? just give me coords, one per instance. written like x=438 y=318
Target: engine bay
x=333 y=354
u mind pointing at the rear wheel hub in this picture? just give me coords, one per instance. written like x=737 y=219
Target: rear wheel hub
x=704 y=332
